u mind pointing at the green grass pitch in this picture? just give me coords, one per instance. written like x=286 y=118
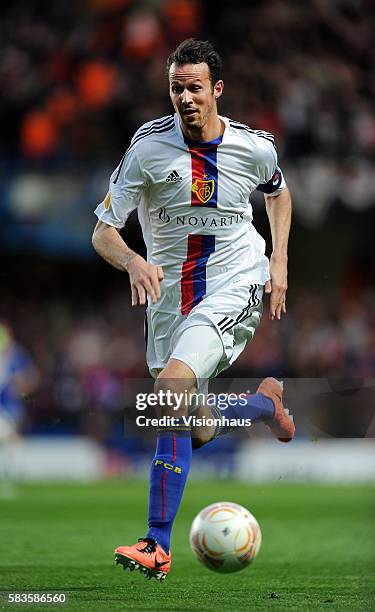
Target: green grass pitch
x=318 y=550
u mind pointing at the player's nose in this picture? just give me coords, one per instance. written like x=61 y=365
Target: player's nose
x=186 y=97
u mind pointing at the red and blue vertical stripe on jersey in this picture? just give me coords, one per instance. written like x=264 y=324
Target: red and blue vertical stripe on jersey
x=204 y=193
x=193 y=283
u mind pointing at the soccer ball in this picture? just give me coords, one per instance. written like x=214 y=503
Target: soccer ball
x=225 y=537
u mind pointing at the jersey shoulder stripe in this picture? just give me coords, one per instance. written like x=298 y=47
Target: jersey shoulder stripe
x=156 y=127
x=266 y=135
x=146 y=127
x=238 y=123
x=261 y=133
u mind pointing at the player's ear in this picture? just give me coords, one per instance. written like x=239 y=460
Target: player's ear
x=218 y=88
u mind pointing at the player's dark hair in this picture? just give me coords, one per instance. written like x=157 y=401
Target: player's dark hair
x=192 y=51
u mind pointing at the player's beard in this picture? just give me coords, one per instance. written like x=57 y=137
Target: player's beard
x=199 y=121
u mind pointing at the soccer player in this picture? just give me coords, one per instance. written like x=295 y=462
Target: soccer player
x=190 y=175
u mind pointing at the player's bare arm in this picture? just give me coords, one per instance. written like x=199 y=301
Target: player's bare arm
x=144 y=277
x=279 y=211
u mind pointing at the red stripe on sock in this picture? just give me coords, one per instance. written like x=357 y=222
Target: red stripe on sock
x=163 y=504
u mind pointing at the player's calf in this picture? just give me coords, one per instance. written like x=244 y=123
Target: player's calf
x=201 y=434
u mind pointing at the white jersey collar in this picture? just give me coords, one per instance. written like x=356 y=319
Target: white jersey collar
x=180 y=133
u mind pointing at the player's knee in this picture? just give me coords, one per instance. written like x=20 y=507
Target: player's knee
x=166 y=386
x=173 y=395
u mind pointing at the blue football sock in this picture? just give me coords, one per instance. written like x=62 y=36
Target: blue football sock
x=169 y=471
x=255 y=407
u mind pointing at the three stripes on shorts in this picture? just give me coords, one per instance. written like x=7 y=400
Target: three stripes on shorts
x=227 y=323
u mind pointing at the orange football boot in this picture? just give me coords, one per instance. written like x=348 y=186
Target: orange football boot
x=281 y=425
x=147 y=557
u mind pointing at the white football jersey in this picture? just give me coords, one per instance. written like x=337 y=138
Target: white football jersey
x=193 y=206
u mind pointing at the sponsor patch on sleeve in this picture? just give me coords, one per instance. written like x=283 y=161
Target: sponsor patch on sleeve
x=276 y=182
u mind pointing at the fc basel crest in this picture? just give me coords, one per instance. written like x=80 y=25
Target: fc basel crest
x=204 y=189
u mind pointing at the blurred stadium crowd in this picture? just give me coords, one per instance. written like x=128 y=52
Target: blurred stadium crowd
x=77 y=79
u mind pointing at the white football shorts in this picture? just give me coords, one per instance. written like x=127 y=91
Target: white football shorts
x=208 y=339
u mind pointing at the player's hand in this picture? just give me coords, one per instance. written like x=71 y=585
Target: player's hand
x=277 y=286
x=145 y=278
